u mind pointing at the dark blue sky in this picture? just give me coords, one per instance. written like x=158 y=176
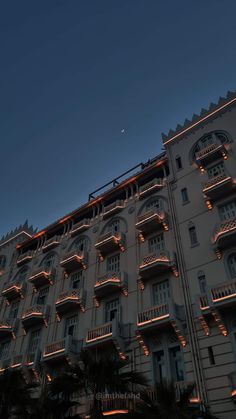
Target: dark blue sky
x=74 y=73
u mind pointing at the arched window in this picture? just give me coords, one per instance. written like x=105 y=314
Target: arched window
x=49 y=261
x=202 y=282
x=232 y=265
x=114 y=226
x=2 y=261
x=81 y=244
x=154 y=204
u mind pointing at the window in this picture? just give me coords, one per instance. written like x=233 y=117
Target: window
x=4 y=350
x=228 y=211
x=202 y=282
x=114 y=226
x=14 y=310
x=2 y=261
x=76 y=279
x=112 y=310
x=218 y=169
x=42 y=296
x=22 y=275
x=155 y=204
x=161 y=292
x=193 y=235
x=34 y=341
x=71 y=326
x=232 y=265
x=49 y=262
x=156 y=243
x=211 y=355
x=113 y=263
x=81 y=245
x=184 y=193
x=160 y=370
x=176 y=364
x=178 y=163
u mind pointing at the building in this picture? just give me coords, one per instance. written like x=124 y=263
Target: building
x=146 y=268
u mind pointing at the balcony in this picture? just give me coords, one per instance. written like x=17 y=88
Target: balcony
x=180 y=388
x=156 y=263
x=225 y=234
x=111 y=282
x=211 y=153
x=4 y=364
x=32 y=359
x=70 y=300
x=35 y=316
x=80 y=226
x=13 y=290
x=151 y=187
x=204 y=303
x=218 y=187
x=8 y=328
x=17 y=361
x=116 y=406
x=164 y=315
x=24 y=257
x=41 y=277
x=151 y=221
x=110 y=242
x=51 y=243
x=74 y=260
x=113 y=208
x=232 y=380
x=62 y=350
x=107 y=334
x=224 y=295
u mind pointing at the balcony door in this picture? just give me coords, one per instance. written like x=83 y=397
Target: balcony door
x=112 y=310
x=161 y=292
x=156 y=244
x=218 y=169
x=228 y=211
x=71 y=326
x=34 y=341
x=168 y=364
x=160 y=366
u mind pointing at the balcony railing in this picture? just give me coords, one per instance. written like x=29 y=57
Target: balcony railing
x=100 y=332
x=41 y=277
x=8 y=328
x=51 y=243
x=153 y=315
x=108 y=333
x=111 y=282
x=35 y=315
x=224 y=293
x=218 y=186
x=225 y=233
x=17 y=361
x=152 y=220
x=62 y=349
x=156 y=263
x=4 y=364
x=13 y=290
x=180 y=388
x=110 y=242
x=70 y=300
x=116 y=405
x=204 y=302
x=74 y=260
x=113 y=208
x=151 y=187
x=24 y=257
x=211 y=153
x=80 y=226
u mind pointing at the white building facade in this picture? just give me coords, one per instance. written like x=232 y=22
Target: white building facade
x=146 y=268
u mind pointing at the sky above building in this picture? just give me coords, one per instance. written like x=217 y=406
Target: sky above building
x=88 y=86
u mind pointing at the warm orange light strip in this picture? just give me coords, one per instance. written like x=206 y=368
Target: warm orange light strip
x=67 y=298
x=216 y=184
x=151 y=187
x=38 y=274
x=115 y=412
x=64 y=220
x=154 y=261
x=148 y=218
x=195 y=400
x=54 y=352
x=79 y=258
x=16 y=365
x=153 y=320
x=99 y=337
x=233 y=393
x=223 y=232
x=2 y=326
x=12 y=238
x=113 y=209
x=24 y=258
x=224 y=298
x=204 y=308
x=11 y=288
x=116 y=280
x=31 y=314
x=116 y=239
x=50 y=244
x=201 y=120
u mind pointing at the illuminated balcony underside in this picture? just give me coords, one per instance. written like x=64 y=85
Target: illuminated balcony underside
x=69 y=301
x=112 y=407
x=73 y=261
x=155 y=264
x=113 y=282
x=17 y=361
x=109 y=243
x=50 y=244
x=80 y=226
x=218 y=187
x=6 y=330
x=12 y=292
x=41 y=278
x=34 y=316
x=24 y=258
x=210 y=154
x=152 y=221
x=64 y=350
x=225 y=234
